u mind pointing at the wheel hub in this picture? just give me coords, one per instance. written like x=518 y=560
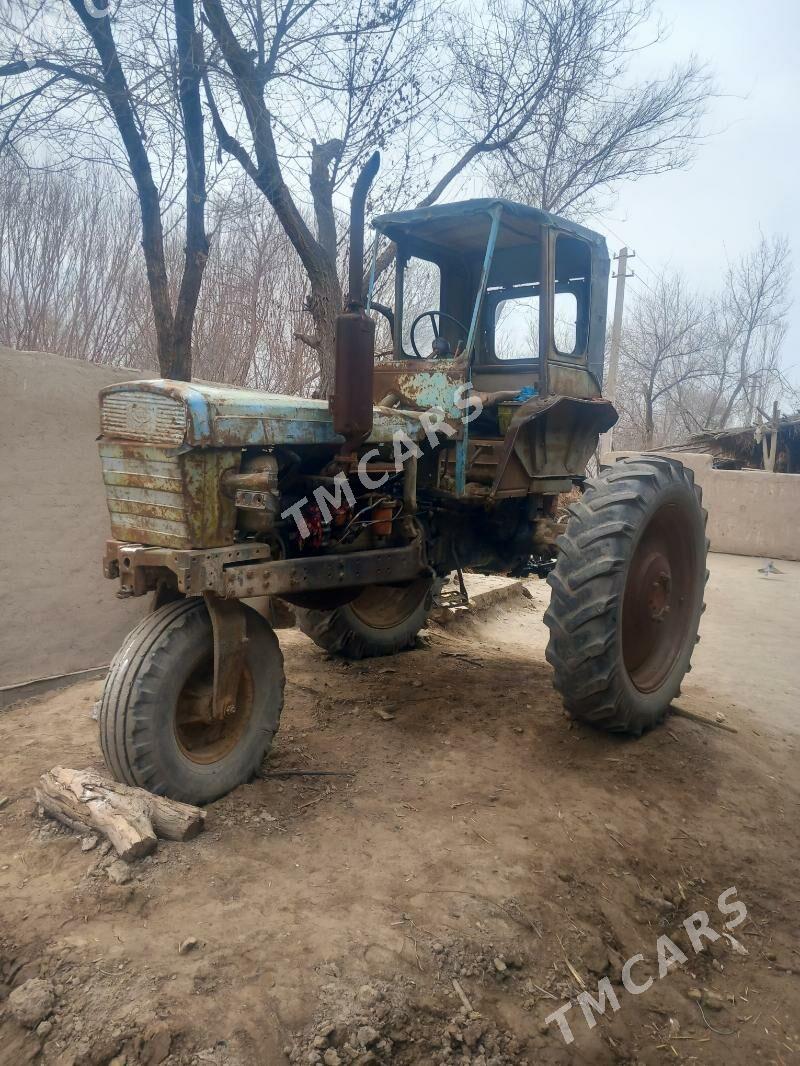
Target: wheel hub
x=203 y=736
x=385 y=606
x=657 y=597
x=657 y=580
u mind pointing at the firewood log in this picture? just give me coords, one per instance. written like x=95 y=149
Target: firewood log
x=131 y=818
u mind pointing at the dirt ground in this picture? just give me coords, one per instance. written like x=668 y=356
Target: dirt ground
x=476 y=835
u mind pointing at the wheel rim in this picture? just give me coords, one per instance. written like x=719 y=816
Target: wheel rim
x=660 y=590
x=387 y=606
x=201 y=737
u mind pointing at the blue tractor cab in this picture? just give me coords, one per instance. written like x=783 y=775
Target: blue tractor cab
x=522 y=293
x=509 y=302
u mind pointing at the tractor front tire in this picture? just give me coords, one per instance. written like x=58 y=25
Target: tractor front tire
x=157 y=730
x=380 y=620
x=627 y=594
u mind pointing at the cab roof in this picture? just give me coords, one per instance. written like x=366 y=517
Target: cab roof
x=463 y=228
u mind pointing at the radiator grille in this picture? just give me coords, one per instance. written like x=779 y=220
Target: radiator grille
x=144 y=416
x=144 y=490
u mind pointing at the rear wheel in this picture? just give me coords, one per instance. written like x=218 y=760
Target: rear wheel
x=156 y=726
x=627 y=594
x=380 y=620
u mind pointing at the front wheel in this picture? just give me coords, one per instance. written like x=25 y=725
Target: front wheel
x=157 y=730
x=380 y=620
x=627 y=594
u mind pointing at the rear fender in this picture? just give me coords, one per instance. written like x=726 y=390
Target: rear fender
x=553 y=437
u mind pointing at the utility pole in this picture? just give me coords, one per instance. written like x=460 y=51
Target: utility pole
x=610 y=389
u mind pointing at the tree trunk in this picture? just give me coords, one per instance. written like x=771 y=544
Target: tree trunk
x=726 y=414
x=173 y=329
x=318 y=256
x=120 y=101
x=324 y=304
x=649 y=428
x=189 y=62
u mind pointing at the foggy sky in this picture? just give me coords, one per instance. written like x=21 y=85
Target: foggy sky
x=747 y=174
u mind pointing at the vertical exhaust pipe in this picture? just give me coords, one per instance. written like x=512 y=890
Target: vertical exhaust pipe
x=358 y=203
x=351 y=402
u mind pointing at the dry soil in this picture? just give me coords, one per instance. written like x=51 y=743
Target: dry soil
x=476 y=834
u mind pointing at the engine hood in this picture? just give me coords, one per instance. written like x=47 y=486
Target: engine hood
x=175 y=413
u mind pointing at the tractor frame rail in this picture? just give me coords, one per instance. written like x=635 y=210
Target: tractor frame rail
x=246 y=570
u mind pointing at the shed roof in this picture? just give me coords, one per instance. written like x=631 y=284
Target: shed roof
x=719 y=440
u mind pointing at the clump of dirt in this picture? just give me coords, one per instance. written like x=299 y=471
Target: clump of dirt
x=383 y=1023
x=65 y=1016
x=488 y=962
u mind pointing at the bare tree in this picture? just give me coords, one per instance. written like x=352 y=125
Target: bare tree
x=70 y=79
x=691 y=363
x=301 y=91
x=70 y=278
x=362 y=81
x=749 y=331
x=600 y=126
x=335 y=76
x=664 y=342
x=252 y=305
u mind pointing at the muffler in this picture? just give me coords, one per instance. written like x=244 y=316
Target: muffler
x=352 y=400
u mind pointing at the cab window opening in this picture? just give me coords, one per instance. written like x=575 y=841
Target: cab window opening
x=571 y=296
x=515 y=323
x=422 y=286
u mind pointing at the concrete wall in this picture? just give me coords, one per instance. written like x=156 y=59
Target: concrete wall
x=750 y=512
x=59 y=614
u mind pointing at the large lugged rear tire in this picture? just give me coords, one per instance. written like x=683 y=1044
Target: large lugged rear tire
x=381 y=620
x=627 y=594
x=156 y=727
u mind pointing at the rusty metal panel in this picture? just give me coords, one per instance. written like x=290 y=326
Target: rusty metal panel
x=229 y=623
x=295 y=421
x=572 y=380
x=168 y=497
x=420 y=387
x=319 y=573
x=196 y=571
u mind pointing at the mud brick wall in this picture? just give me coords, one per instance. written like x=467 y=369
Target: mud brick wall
x=750 y=512
x=59 y=614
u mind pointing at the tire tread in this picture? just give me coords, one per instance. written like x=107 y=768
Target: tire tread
x=131 y=698
x=586 y=590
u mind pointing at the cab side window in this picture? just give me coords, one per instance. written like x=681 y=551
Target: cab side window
x=516 y=324
x=573 y=274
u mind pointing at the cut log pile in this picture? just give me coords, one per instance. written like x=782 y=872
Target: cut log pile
x=131 y=818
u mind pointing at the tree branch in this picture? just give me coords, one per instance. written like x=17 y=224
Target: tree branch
x=268 y=175
x=25 y=66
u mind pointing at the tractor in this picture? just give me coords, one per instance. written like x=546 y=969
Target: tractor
x=448 y=449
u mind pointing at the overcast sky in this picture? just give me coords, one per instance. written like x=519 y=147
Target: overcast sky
x=745 y=176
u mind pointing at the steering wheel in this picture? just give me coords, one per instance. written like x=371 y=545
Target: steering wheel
x=432 y=316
